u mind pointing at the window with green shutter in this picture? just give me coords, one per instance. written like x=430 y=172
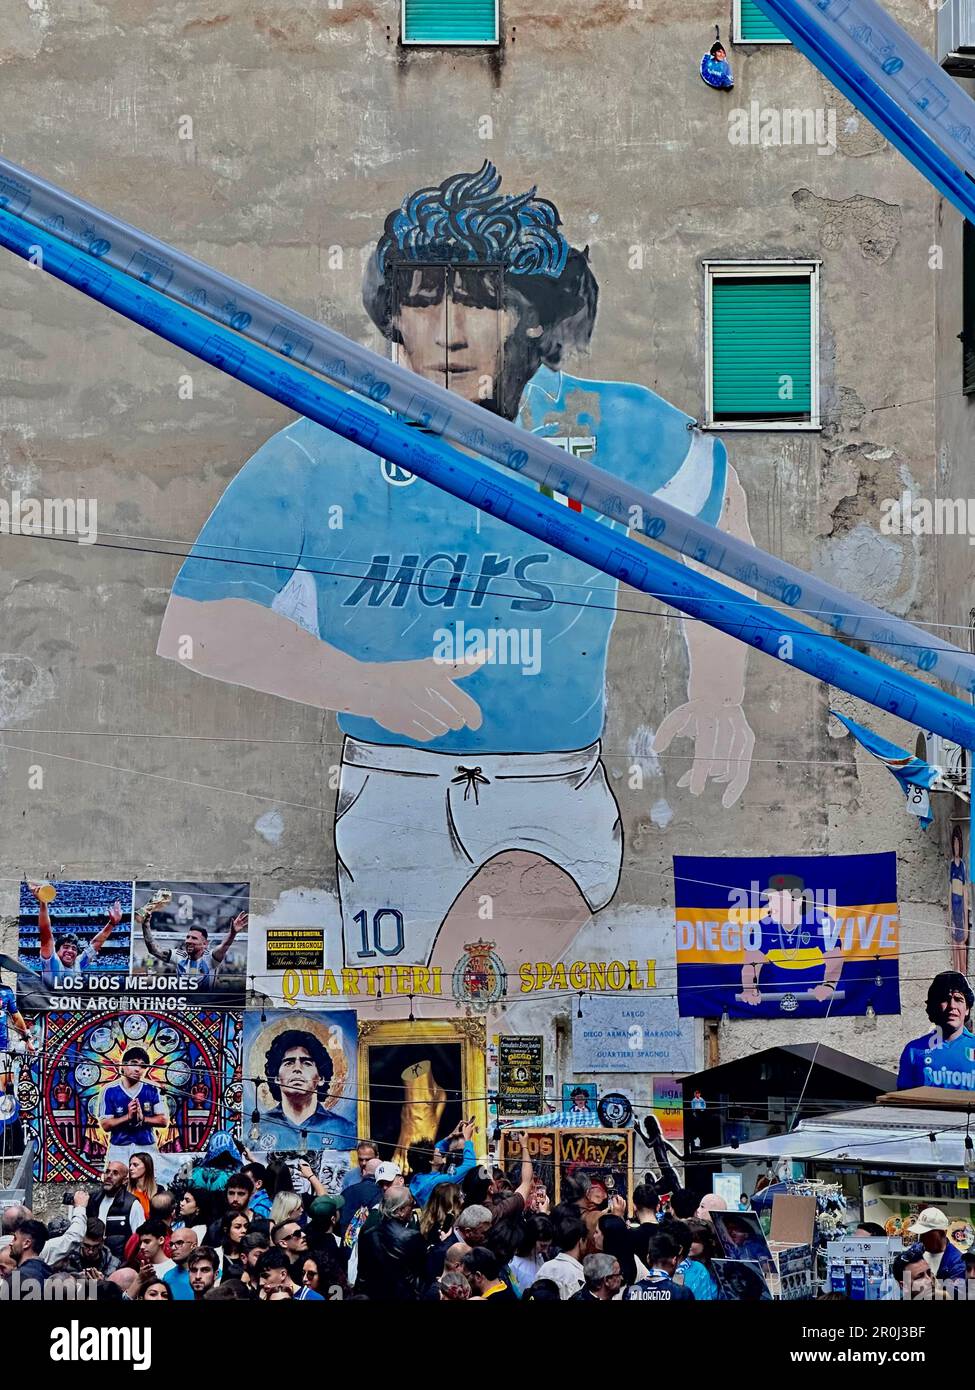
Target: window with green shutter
x=968 y=310
x=752 y=25
x=450 y=21
x=763 y=348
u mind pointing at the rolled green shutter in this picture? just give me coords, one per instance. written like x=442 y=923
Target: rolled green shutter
x=450 y=21
x=756 y=27
x=761 y=348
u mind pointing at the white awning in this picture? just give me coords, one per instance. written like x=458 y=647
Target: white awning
x=881 y=1137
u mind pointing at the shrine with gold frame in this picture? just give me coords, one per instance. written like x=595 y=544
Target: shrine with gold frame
x=417 y=1080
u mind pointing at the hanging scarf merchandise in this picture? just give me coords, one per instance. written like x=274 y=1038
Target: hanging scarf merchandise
x=715 y=68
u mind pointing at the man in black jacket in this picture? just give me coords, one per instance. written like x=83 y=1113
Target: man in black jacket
x=392 y=1255
x=117 y=1208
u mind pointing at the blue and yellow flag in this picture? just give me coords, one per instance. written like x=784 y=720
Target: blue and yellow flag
x=789 y=936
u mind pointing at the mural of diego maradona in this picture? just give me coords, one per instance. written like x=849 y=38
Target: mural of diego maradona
x=298 y=1073
x=455 y=771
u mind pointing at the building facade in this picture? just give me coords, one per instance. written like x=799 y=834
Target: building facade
x=728 y=296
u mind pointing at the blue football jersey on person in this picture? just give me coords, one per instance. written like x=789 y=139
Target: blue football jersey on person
x=115 y=1103
x=794 y=959
x=203 y=970
x=8 y=1006
x=381 y=564
x=657 y=1287
x=324 y=1129
x=928 y=1061
x=53 y=972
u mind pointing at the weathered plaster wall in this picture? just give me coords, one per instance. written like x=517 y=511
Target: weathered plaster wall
x=309 y=125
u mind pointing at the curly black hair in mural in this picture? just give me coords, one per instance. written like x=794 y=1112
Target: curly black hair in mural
x=466 y=221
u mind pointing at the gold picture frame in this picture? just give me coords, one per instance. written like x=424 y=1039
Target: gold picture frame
x=468 y=1035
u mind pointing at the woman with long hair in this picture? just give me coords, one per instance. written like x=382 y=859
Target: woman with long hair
x=234 y=1225
x=437 y=1218
x=287 y=1206
x=155 y=1291
x=142 y=1180
x=532 y=1250
x=697 y=1270
x=320 y=1273
x=191 y=1213
x=278 y=1178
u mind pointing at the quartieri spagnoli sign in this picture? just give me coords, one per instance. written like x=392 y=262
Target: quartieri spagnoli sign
x=533 y=977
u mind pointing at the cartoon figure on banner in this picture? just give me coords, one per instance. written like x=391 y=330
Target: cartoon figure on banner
x=792 y=960
x=946 y=1057
x=118 y=1086
x=472 y=767
x=959 y=902
x=300 y=1081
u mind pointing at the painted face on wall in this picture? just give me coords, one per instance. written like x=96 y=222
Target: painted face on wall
x=298 y=1074
x=461 y=330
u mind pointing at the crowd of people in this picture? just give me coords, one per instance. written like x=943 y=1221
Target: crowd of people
x=450 y=1228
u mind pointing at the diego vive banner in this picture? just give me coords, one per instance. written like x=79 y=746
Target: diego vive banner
x=796 y=936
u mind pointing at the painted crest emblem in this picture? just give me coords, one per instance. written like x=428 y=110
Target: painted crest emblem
x=479 y=977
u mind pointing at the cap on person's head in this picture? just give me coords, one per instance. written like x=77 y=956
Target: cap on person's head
x=326 y=1205
x=783 y=883
x=930 y=1219
x=386 y=1172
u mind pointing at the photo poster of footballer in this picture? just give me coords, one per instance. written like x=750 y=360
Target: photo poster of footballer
x=195 y=933
x=155 y=1084
x=75 y=932
x=300 y=1089
x=114 y=945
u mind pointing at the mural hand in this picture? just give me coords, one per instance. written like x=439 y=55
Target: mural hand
x=422 y=699
x=723 y=745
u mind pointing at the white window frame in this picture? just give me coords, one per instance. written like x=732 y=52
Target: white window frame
x=761 y=270
x=763 y=43
x=452 y=43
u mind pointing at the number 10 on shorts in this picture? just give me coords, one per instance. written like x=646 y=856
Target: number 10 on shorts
x=383 y=936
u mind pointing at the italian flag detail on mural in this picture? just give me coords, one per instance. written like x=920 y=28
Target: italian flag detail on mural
x=572 y=505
